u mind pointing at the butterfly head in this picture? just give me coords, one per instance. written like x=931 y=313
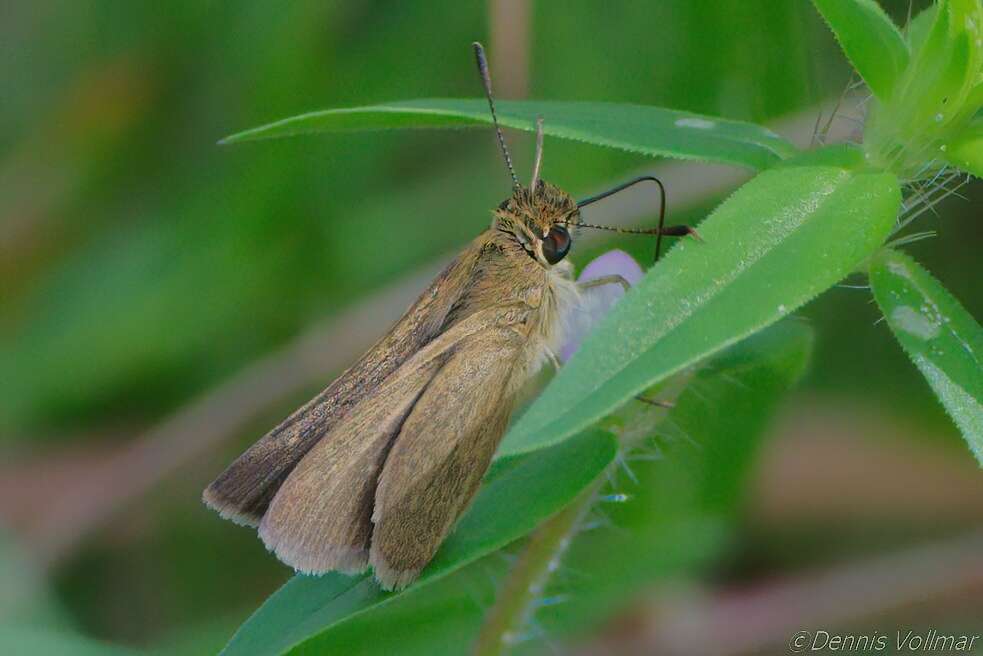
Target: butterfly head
x=538 y=219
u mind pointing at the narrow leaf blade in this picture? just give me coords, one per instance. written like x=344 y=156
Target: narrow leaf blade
x=637 y=128
x=870 y=40
x=938 y=334
x=780 y=240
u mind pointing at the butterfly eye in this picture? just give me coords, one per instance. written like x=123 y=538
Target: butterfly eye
x=556 y=244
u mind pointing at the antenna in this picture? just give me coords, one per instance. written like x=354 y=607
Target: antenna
x=671 y=231
x=538 y=165
x=479 y=55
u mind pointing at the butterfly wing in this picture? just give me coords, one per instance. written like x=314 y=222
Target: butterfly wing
x=244 y=490
x=321 y=517
x=442 y=452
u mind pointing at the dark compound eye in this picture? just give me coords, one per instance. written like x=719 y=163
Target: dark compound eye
x=556 y=244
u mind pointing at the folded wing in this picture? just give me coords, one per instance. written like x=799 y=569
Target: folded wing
x=321 y=517
x=244 y=490
x=442 y=452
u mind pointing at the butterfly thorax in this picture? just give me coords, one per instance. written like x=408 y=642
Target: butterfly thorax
x=511 y=269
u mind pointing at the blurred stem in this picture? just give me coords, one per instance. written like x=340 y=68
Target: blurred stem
x=509 y=24
x=539 y=559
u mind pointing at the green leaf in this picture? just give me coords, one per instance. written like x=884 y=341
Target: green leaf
x=918 y=27
x=680 y=513
x=950 y=62
x=442 y=618
x=780 y=240
x=938 y=94
x=842 y=156
x=941 y=338
x=870 y=40
x=636 y=128
x=966 y=150
x=511 y=504
x=17 y=640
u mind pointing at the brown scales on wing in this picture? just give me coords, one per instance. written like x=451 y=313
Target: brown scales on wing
x=244 y=490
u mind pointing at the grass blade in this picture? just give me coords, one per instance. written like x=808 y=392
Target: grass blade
x=636 y=128
x=870 y=40
x=938 y=334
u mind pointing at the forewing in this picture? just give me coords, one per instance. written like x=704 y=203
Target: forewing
x=244 y=490
x=321 y=517
x=319 y=520
x=442 y=452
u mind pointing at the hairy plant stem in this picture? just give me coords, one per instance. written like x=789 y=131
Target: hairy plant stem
x=528 y=577
x=514 y=606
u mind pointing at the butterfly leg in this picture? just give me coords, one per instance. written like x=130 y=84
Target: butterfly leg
x=612 y=279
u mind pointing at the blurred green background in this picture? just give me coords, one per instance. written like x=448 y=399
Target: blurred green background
x=142 y=267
